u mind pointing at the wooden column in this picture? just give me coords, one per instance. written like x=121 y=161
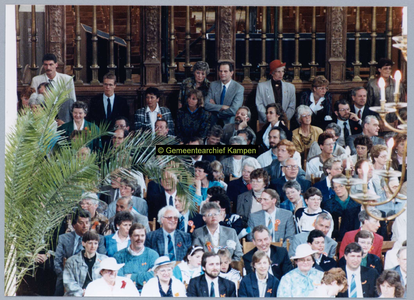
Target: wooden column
x=19 y=65
x=128 y=67
x=33 y=66
x=94 y=67
x=336 y=25
x=78 y=67
x=226 y=34
x=373 y=63
x=357 y=64
x=151 y=46
x=55 y=35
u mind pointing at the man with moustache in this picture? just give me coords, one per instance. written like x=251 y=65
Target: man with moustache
x=243 y=116
x=210 y=284
x=81 y=269
x=137 y=259
x=347 y=120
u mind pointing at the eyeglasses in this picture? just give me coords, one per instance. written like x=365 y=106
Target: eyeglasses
x=306 y=116
x=321 y=88
x=171 y=218
x=291 y=167
x=257 y=180
x=344 y=109
x=336 y=187
x=212 y=215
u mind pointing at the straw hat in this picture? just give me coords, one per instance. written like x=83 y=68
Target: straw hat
x=109 y=264
x=162 y=261
x=303 y=250
x=275 y=64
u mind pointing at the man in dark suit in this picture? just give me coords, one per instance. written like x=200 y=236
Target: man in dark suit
x=359 y=103
x=189 y=221
x=361 y=280
x=370 y=128
x=210 y=284
x=291 y=170
x=347 y=120
x=279 y=221
x=401 y=269
x=168 y=240
x=225 y=96
x=71 y=243
x=109 y=106
x=243 y=116
x=279 y=257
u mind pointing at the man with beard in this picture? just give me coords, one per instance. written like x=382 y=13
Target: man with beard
x=347 y=120
x=81 y=269
x=210 y=284
x=137 y=259
x=243 y=116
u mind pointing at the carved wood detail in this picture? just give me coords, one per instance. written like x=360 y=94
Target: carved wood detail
x=226 y=33
x=55 y=36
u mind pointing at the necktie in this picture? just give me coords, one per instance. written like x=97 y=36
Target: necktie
x=353 y=290
x=170 y=201
x=181 y=224
x=270 y=227
x=170 y=248
x=223 y=94
x=212 y=293
x=359 y=114
x=346 y=131
x=51 y=81
x=79 y=247
x=108 y=109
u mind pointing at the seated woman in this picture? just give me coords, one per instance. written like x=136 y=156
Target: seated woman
x=25 y=95
x=294 y=201
x=259 y=283
x=79 y=111
x=301 y=281
x=120 y=239
x=316 y=239
x=192 y=118
x=400 y=140
x=232 y=165
x=319 y=100
x=226 y=271
x=204 y=179
x=164 y=284
x=275 y=117
x=111 y=285
x=191 y=266
x=199 y=82
x=363 y=145
x=333 y=282
x=389 y=285
x=306 y=134
x=218 y=173
x=379 y=154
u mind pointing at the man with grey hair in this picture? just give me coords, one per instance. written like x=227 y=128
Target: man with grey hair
x=168 y=240
x=242 y=185
x=126 y=204
x=370 y=128
x=359 y=103
x=401 y=269
x=368 y=223
x=243 y=116
x=214 y=236
x=323 y=223
x=276 y=134
x=91 y=202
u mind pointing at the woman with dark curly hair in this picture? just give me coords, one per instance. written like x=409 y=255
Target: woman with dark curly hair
x=389 y=285
x=192 y=118
x=24 y=98
x=204 y=179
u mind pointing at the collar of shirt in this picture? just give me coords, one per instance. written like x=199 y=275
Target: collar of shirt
x=216 y=233
x=166 y=234
x=54 y=78
x=133 y=253
x=216 y=287
x=105 y=102
x=193 y=161
x=186 y=218
x=192 y=112
x=361 y=109
x=81 y=127
x=271 y=216
x=167 y=197
x=157 y=109
x=117 y=239
x=227 y=85
x=316 y=107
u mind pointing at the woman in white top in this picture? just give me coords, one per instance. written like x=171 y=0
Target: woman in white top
x=333 y=282
x=191 y=266
x=164 y=284
x=111 y=285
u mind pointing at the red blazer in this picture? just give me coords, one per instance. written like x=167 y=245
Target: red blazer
x=349 y=237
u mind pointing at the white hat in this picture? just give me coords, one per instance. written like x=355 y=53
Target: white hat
x=109 y=264
x=162 y=260
x=303 y=250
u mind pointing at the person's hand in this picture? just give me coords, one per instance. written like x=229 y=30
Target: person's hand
x=41 y=258
x=212 y=101
x=242 y=125
x=353 y=117
x=179 y=104
x=224 y=107
x=60 y=122
x=197 y=184
x=83 y=292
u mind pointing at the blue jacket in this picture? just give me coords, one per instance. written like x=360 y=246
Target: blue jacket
x=250 y=288
x=111 y=245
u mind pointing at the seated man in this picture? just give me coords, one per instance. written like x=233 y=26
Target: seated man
x=210 y=284
x=342 y=205
x=365 y=238
x=243 y=116
x=278 y=255
x=370 y=128
x=247 y=135
x=361 y=280
x=291 y=169
x=331 y=167
x=81 y=269
x=168 y=241
x=213 y=236
x=279 y=221
x=314 y=166
x=99 y=223
x=368 y=223
x=225 y=96
x=146 y=117
x=294 y=201
x=305 y=216
x=125 y=204
x=137 y=259
x=401 y=269
x=323 y=223
x=71 y=244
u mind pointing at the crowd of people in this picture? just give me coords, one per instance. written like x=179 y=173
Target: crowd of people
x=307 y=235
